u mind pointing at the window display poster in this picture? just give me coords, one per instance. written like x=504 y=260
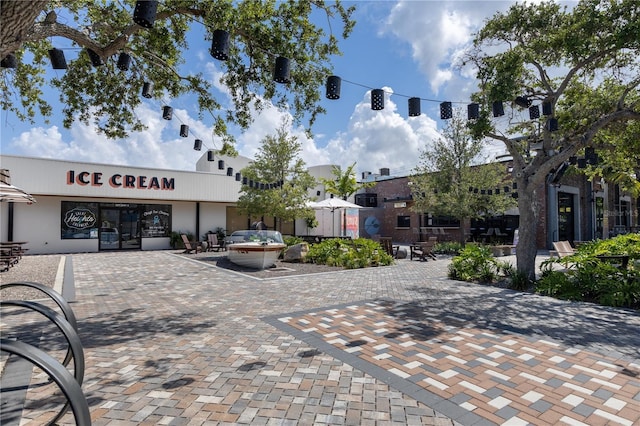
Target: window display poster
x=156 y=220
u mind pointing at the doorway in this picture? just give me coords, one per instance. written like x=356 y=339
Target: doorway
x=566 y=219
x=119 y=228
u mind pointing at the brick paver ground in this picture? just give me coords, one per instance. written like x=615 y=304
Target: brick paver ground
x=170 y=340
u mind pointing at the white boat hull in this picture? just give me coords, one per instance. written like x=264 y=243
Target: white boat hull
x=255 y=255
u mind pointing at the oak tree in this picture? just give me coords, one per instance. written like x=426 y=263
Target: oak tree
x=107 y=96
x=582 y=64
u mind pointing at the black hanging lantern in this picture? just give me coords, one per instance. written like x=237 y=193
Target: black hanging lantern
x=145 y=13
x=197 y=145
x=589 y=152
x=333 y=87
x=123 y=61
x=473 y=111
x=250 y=183
x=446 y=111
x=522 y=102
x=573 y=160
x=229 y=171
x=377 y=99
x=498 y=109
x=414 y=107
x=489 y=191
x=147 y=90
x=184 y=130
x=515 y=185
x=281 y=74
x=534 y=112
x=167 y=112
x=475 y=190
x=497 y=191
x=210 y=156
x=514 y=195
x=547 y=108
x=238 y=176
x=96 y=60
x=9 y=61
x=262 y=186
x=552 y=124
x=591 y=156
x=220 y=45
x=582 y=163
x=245 y=181
x=58 y=62
x=506 y=189
x=471 y=189
x=220 y=164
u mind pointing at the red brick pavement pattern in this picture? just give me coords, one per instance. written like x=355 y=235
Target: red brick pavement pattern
x=503 y=377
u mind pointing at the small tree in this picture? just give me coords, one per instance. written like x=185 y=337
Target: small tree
x=281 y=180
x=446 y=182
x=344 y=185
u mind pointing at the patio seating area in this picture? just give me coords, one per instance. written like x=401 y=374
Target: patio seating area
x=10 y=253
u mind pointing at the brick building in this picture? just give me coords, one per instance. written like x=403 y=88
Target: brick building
x=572 y=208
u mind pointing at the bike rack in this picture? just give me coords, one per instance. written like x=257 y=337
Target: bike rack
x=56 y=371
x=69 y=384
x=75 y=350
x=54 y=295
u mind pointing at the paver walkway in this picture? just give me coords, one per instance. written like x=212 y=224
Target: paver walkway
x=170 y=340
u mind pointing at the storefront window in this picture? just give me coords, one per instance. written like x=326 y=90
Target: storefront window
x=79 y=220
x=156 y=220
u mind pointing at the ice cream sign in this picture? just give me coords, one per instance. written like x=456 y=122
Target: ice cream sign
x=117 y=180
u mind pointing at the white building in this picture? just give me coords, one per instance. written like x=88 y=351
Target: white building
x=90 y=207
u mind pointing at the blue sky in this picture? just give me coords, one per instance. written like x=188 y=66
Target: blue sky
x=408 y=48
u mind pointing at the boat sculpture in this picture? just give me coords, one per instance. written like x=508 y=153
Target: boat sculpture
x=254 y=249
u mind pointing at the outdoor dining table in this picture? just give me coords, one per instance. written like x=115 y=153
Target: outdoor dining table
x=11 y=252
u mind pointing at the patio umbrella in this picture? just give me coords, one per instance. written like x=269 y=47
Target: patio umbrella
x=333 y=204
x=14 y=194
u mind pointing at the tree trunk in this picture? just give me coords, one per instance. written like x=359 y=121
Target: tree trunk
x=17 y=18
x=529 y=207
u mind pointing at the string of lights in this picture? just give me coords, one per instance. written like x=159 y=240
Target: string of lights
x=144 y=15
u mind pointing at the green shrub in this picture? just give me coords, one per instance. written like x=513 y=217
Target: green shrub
x=557 y=284
x=474 y=263
x=351 y=254
x=588 y=278
x=292 y=240
x=448 y=247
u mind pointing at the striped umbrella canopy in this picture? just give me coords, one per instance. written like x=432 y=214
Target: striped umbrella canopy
x=14 y=194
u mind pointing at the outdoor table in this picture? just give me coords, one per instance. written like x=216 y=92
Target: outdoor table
x=621 y=259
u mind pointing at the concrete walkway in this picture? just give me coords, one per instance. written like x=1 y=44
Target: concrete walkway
x=170 y=340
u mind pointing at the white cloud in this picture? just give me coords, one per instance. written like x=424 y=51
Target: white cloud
x=373 y=139
x=439 y=32
x=377 y=139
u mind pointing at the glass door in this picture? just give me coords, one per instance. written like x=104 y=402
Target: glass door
x=566 y=231
x=119 y=228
